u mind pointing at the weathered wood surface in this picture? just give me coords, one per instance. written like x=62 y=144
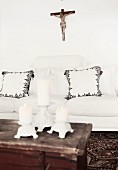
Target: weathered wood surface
x=74 y=143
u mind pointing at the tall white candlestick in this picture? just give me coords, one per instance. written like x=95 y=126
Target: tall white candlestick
x=25 y=114
x=61 y=114
x=43 y=92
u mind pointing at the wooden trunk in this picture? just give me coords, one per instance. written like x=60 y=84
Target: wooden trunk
x=11 y=159
x=47 y=152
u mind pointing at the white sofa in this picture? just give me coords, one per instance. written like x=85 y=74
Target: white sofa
x=101 y=111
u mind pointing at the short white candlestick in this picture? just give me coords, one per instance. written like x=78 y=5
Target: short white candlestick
x=25 y=119
x=62 y=126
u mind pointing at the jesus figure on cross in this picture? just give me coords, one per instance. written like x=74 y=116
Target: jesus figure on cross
x=62 y=16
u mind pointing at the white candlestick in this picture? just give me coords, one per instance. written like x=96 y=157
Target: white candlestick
x=25 y=114
x=61 y=114
x=43 y=92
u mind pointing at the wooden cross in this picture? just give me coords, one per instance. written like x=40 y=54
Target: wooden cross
x=62 y=16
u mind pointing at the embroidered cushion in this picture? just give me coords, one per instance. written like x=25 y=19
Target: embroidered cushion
x=16 y=84
x=83 y=82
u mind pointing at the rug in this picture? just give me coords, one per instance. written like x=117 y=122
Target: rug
x=102 y=151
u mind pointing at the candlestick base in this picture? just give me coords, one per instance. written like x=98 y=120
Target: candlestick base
x=62 y=128
x=43 y=119
x=25 y=131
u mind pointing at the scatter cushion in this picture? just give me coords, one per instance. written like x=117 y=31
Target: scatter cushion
x=16 y=84
x=83 y=82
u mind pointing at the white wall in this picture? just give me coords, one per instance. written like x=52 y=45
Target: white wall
x=0 y=44
x=0 y=33
x=28 y=30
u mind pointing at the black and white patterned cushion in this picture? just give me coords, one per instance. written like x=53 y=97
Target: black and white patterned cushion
x=83 y=82
x=16 y=84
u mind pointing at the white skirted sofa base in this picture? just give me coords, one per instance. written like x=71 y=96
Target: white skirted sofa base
x=101 y=111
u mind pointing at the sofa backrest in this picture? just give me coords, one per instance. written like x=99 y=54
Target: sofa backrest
x=53 y=67
x=109 y=79
x=59 y=61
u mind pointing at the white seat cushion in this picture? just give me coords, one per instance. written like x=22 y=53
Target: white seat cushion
x=106 y=105
x=56 y=100
x=7 y=104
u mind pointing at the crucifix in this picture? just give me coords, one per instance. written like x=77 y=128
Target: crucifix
x=62 y=16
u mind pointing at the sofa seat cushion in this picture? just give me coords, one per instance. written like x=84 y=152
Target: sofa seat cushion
x=29 y=100
x=93 y=106
x=7 y=104
x=56 y=100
